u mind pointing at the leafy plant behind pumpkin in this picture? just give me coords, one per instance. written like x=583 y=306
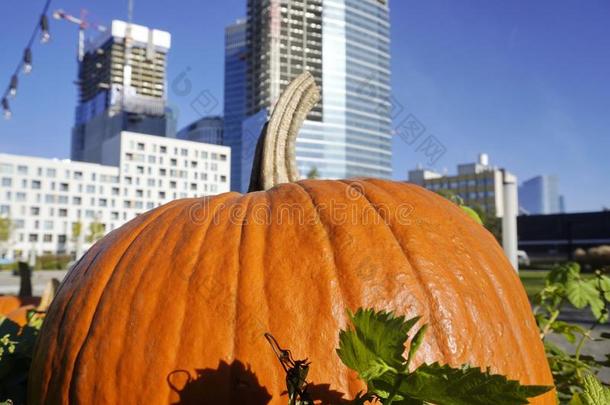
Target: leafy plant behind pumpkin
x=566 y=285
x=16 y=348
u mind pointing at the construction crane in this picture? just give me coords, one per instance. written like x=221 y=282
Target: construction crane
x=83 y=24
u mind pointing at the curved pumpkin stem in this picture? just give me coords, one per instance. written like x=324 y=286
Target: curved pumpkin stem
x=275 y=159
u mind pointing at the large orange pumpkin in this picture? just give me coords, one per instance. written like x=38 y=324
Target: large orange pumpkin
x=172 y=306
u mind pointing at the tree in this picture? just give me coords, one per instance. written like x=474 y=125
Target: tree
x=6 y=233
x=313 y=173
x=77 y=229
x=96 y=231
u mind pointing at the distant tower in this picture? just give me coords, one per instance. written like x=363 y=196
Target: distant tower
x=108 y=104
x=540 y=195
x=236 y=70
x=205 y=130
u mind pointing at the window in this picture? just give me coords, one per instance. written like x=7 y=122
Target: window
x=223 y=157
x=115 y=191
x=47 y=238
x=7 y=181
x=35 y=211
x=62 y=199
x=103 y=202
x=139 y=193
x=47 y=225
x=172 y=184
x=163 y=149
x=114 y=215
x=223 y=178
x=20 y=197
x=63 y=212
x=128 y=180
x=162 y=194
x=140 y=169
x=61 y=239
x=140 y=146
x=173 y=162
x=36 y=184
x=90 y=188
x=184 y=152
x=162 y=172
x=64 y=187
x=21 y=169
x=33 y=237
x=6 y=168
x=152 y=159
x=5 y=209
x=78 y=175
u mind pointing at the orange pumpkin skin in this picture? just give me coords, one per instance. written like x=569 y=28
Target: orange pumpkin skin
x=186 y=291
x=9 y=303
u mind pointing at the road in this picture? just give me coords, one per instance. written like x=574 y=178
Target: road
x=9 y=284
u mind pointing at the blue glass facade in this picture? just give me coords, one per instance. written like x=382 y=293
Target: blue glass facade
x=236 y=68
x=354 y=138
x=345 y=44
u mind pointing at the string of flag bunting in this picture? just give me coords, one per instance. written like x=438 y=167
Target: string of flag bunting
x=41 y=30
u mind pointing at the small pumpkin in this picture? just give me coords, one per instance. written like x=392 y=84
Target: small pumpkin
x=41 y=304
x=192 y=286
x=9 y=303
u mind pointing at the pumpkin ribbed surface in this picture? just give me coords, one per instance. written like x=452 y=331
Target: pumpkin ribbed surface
x=191 y=287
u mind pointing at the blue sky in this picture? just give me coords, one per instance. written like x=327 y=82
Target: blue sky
x=527 y=82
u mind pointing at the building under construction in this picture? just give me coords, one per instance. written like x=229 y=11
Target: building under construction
x=122 y=87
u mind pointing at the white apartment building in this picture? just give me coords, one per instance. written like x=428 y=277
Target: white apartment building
x=46 y=200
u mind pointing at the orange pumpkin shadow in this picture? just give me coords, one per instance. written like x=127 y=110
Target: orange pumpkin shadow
x=208 y=386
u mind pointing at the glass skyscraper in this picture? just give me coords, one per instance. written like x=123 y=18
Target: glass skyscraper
x=540 y=195
x=236 y=68
x=345 y=44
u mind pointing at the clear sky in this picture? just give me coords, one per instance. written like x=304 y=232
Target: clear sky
x=526 y=81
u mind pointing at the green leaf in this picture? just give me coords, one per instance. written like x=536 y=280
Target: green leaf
x=472 y=214
x=604 y=283
x=580 y=292
x=564 y=273
x=375 y=344
x=568 y=330
x=594 y=393
x=416 y=342
x=444 y=385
